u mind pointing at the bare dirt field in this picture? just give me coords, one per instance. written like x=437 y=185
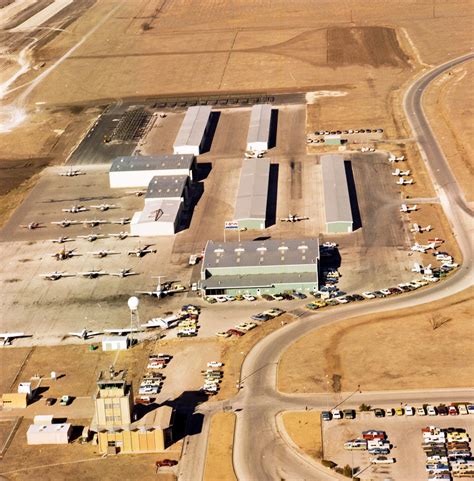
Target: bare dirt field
x=219 y=449
x=404 y=433
x=304 y=428
x=449 y=103
x=52 y=462
x=402 y=349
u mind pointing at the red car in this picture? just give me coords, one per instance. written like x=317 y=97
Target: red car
x=370 y=435
x=235 y=332
x=453 y=411
x=165 y=463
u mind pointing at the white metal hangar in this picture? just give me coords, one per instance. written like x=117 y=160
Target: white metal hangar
x=337 y=203
x=260 y=267
x=259 y=128
x=193 y=130
x=171 y=187
x=137 y=171
x=158 y=217
x=251 y=202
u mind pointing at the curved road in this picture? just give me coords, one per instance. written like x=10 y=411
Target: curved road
x=260 y=453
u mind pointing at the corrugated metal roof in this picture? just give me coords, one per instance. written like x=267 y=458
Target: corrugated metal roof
x=161 y=210
x=251 y=202
x=193 y=126
x=162 y=186
x=259 y=128
x=152 y=162
x=259 y=280
x=336 y=193
x=261 y=253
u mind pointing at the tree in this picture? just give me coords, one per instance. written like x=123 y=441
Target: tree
x=364 y=407
x=146 y=26
x=347 y=471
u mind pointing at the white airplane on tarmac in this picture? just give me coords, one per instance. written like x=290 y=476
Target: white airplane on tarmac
x=124 y=273
x=8 y=337
x=402 y=181
x=103 y=253
x=138 y=193
x=408 y=208
x=84 y=334
x=92 y=237
x=161 y=289
x=54 y=276
x=122 y=235
x=65 y=222
x=121 y=221
x=251 y=154
x=32 y=225
x=293 y=218
x=401 y=173
x=121 y=332
x=75 y=209
x=392 y=158
x=71 y=173
x=92 y=274
x=104 y=207
x=418 y=228
x=64 y=254
x=62 y=240
x=141 y=251
x=94 y=222
x=422 y=270
x=422 y=248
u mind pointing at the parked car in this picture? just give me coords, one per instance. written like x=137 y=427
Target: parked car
x=336 y=414
x=260 y=317
x=399 y=411
x=462 y=408
x=382 y=460
x=420 y=411
x=349 y=414
x=431 y=410
x=326 y=416
x=390 y=412
x=442 y=410
x=267 y=297
x=470 y=408
x=50 y=401
x=379 y=413
x=166 y=463
x=452 y=410
x=368 y=295
x=409 y=411
x=248 y=297
x=278 y=297
x=299 y=295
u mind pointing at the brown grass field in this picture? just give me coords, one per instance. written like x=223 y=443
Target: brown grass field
x=219 y=449
x=304 y=428
x=402 y=349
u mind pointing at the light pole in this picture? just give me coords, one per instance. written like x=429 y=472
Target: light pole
x=133 y=306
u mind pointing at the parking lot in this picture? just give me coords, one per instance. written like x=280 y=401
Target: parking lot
x=404 y=433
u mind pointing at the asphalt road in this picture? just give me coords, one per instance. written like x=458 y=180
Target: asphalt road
x=259 y=451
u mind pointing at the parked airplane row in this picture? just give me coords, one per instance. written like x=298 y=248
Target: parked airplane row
x=68 y=254
x=92 y=274
x=91 y=223
x=92 y=237
x=76 y=208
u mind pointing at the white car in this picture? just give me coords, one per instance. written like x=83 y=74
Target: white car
x=277 y=297
x=462 y=409
x=342 y=300
x=222 y=334
x=431 y=410
x=246 y=326
x=214 y=364
x=230 y=298
x=248 y=297
x=336 y=414
x=368 y=295
x=420 y=411
x=221 y=298
x=409 y=411
x=385 y=292
x=382 y=460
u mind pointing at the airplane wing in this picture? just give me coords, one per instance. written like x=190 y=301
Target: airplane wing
x=120 y=332
x=150 y=293
x=11 y=335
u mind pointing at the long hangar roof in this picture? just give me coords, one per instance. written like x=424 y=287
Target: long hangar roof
x=252 y=195
x=263 y=253
x=259 y=127
x=166 y=186
x=193 y=126
x=152 y=162
x=336 y=193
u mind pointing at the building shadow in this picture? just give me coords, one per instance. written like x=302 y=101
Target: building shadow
x=329 y=260
x=356 y=219
x=195 y=192
x=210 y=132
x=272 y=197
x=272 y=137
x=203 y=169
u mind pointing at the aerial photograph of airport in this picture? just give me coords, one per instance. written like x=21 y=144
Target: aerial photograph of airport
x=236 y=240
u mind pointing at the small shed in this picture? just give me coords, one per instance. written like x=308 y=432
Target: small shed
x=49 y=433
x=115 y=343
x=15 y=400
x=43 y=419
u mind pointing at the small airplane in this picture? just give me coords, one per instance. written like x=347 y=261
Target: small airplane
x=66 y=222
x=8 y=337
x=401 y=173
x=393 y=158
x=251 y=154
x=418 y=228
x=84 y=334
x=32 y=225
x=408 y=208
x=402 y=181
x=141 y=251
x=75 y=209
x=422 y=248
x=422 y=270
x=92 y=274
x=103 y=253
x=62 y=240
x=71 y=173
x=436 y=240
x=121 y=332
x=94 y=222
x=122 y=235
x=161 y=289
x=64 y=254
x=92 y=237
x=122 y=221
x=124 y=273
x=138 y=193
x=293 y=218
x=54 y=276
x=449 y=264
x=104 y=207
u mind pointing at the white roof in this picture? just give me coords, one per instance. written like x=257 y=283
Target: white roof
x=43 y=419
x=115 y=339
x=193 y=126
x=259 y=128
x=160 y=210
x=49 y=428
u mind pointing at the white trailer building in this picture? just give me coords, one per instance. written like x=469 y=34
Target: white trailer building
x=193 y=130
x=49 y=433
x=170 y=187
x=259 y=128
x=138 y=171
x=115 y=343
x=158 y=217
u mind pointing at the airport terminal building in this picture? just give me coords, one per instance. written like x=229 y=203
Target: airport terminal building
x=260 y=267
